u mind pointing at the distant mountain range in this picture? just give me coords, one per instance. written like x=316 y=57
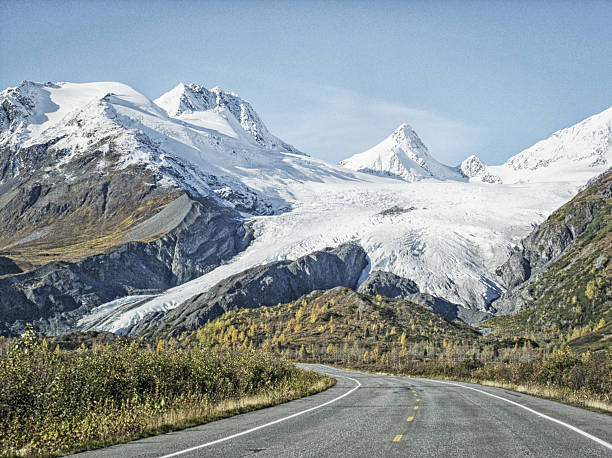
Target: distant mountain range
x=115 y=208
x=581 y=148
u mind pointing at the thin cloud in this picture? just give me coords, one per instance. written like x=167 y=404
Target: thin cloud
x=338 y=123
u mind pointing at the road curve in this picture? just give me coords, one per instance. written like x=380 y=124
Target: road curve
x=377 y=415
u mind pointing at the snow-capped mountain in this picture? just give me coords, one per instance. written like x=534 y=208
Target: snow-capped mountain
x=588 y=143
x=584 y=149
x=473 y=167
x=207 y=142
x=401 y=155
x=227 y=112
x=197 y=173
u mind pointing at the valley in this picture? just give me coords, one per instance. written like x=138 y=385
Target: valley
x=182 y=232
x=308 y=229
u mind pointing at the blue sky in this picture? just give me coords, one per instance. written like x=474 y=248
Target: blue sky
x=334 y=78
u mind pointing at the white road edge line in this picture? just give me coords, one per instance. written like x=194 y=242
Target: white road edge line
x=302 y=412
x=554 y=420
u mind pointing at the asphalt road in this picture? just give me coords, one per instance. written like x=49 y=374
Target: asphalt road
x=367 y=415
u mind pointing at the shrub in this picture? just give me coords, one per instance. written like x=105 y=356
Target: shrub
x=54 y=402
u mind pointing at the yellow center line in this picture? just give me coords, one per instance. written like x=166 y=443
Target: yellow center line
x=416 y=407
x=417 y=399
x=410 y=419
x=397 y=438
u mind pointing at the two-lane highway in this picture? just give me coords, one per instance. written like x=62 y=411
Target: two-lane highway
x=377 y=415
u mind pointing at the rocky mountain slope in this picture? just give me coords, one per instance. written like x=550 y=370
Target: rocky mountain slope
x=401 y=155
x=390 y=285
x=93 y=207
x=560 y=278
x=55 y=295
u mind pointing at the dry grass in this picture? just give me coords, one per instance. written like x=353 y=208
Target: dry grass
x=552 y=393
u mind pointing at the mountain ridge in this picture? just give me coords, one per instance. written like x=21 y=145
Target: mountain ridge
x=560 y=277
x=586 y=145
x=584 y=148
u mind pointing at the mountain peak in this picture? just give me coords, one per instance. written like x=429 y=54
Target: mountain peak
x=405 y=137
x=186 y=100
x=474 y=168
x=583 y=149
x=401 y=155
x=404 y=127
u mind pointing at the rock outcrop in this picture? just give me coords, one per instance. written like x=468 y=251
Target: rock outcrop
x=270 y=284
x=390 y=285
x=8 y=266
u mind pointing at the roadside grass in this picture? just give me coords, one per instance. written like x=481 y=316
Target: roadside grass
x=196 y=414
x=55 y=402
x=564 y=396
x=188 y=416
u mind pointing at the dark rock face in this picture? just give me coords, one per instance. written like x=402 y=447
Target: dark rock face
x=270 y=284
x=388 y=284
x=391 y=285
x=8 y=267
x=515 y=270
x=545 y=244
x=55 y=295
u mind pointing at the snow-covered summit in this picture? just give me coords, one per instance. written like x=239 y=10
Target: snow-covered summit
x=577 y=152
x=588 y=143
x=401 y=155
x=30 y=109
x=474 y=169
x=204 y=152
x=232 y=115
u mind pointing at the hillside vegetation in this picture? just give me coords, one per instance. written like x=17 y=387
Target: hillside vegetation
x=338 y=323
x=571 y=301
x=62 y=222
